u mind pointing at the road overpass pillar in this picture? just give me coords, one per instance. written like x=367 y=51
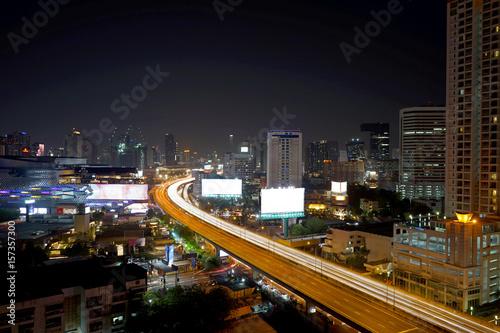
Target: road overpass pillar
x=285 y=227
x=217 y=251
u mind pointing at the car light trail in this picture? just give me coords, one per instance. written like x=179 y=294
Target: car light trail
x=419 y=308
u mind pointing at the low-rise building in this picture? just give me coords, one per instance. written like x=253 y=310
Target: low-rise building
x=340 y=244
x=75 y=296
x=455 y=261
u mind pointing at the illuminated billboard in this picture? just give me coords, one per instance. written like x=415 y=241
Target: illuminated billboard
x=281 y=203
x=339 y=188
x=117 y=191
x=224 y=188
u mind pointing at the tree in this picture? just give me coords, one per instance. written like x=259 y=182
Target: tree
x=32 y=256
x=359 y=258
x=151 y=213
x=297 y=230
x=213 y=262
x=184 y=309
x=79 y=248
x=315 y=225
x=8 y=214
x=97 y=216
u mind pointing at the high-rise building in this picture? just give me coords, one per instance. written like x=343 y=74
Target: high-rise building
x=319 y=151
x=422 y=137
x=355 y=150
x=231 y=144
x=379 y=140
x=15 y=144
x=472 y=162
x=284 y=158
x=351 y=172
x=453 y=262
x=73 y=144
x=170 y=149
x=241 y=166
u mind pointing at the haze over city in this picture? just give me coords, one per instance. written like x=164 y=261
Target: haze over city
x=225 y=76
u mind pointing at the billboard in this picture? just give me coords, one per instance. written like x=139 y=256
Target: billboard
x=339 y=188
x=117 y=191
x=282 y=203
x=170 y=255
x=225 y=188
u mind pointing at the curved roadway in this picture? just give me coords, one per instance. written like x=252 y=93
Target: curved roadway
x=359 y=301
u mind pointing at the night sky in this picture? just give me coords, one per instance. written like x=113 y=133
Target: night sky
x=225 y=77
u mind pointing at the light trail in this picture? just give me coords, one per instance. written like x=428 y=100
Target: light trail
x=419 y=308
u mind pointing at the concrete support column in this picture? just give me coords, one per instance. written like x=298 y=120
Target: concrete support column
x=285 y=227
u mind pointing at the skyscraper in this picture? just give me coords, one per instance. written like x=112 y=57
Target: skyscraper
x=355 y=150
x=472 y=160
x=73 y=144
x=319 y=151
x=170 y=149
x=422 y=136
x=379 y=140
x=231 y=144
x=284 y=158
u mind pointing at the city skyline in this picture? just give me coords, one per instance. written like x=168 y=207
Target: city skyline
x=234 y=76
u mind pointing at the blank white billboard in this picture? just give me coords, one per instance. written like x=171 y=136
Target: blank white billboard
x=117 y=191
x=221 y=188
x=286 y=200
x=339 y=188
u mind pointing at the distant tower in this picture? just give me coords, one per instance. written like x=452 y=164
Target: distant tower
x=73 y=144
x=355 y=150
x=284 y=158
x=319 y=151
x=379 y=140
x=170 y=149
x=231 y=144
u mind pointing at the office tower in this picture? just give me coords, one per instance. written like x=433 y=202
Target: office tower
x=379 y=140
x=316 y=153
x=231 y=144
x=472 y=162
x=89 y=151
x=170 y=149
x=351 y=172
x=319 y=151
x=355 y=150
x=453 y=262
x=422 y=137
x=15 y=144
x=241 y=166
x=284 y=158
x=332 y=148
x=73 y=144
x=185 y=157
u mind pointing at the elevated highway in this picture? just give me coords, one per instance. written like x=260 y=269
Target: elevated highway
x=369 y=303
